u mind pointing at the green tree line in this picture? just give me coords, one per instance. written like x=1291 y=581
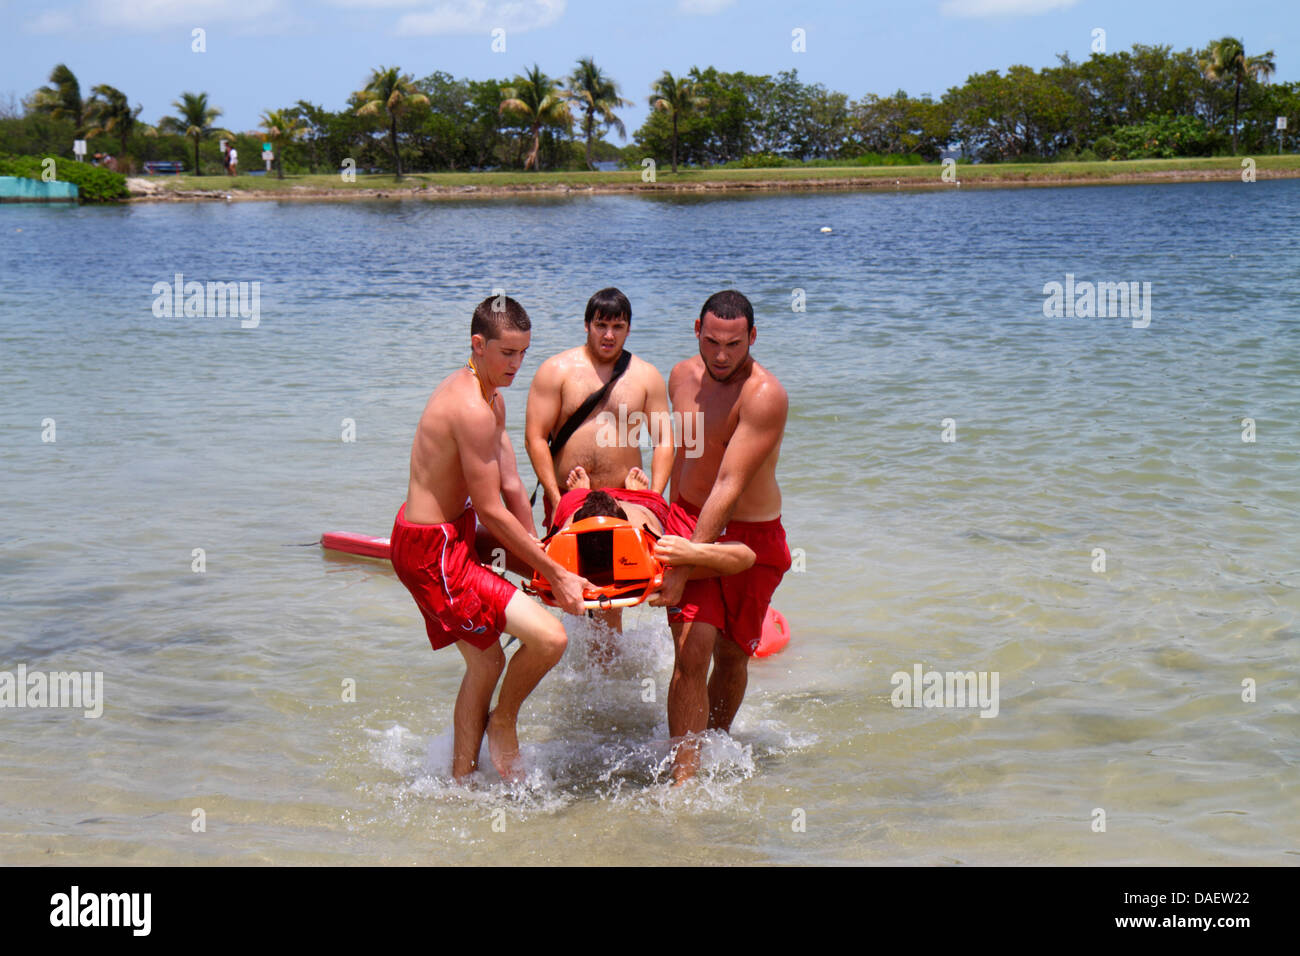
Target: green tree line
x=1150 y=101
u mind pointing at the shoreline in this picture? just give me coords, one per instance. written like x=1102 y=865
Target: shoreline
x=427 y=187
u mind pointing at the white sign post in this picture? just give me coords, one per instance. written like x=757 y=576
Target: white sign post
x=1281 y=133
x=267 y=155
x=79 y=149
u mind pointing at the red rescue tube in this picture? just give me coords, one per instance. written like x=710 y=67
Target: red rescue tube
x=776 y=634
x=362 y=544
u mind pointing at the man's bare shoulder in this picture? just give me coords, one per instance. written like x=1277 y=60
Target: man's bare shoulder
x=552 y=370
x=764 y=391
x=458 y=399
x=685 y=370
x=642 y=369
x=570 y=357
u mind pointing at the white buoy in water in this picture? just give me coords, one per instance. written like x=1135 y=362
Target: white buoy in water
x=826 y=228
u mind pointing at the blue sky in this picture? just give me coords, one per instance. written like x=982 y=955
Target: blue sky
x=265 y=54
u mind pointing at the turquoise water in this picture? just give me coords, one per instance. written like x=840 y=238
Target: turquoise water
x=1120 y=689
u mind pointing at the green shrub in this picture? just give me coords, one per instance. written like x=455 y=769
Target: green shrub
x=94 y=183
x=762 y=161
x=887 y=159
x=1164 y=137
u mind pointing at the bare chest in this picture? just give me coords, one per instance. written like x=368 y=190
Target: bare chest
x=578 y=387
x=710 y=413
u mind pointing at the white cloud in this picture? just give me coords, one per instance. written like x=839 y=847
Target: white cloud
x=703 y=7
x=479 y=16
x=1001 y=8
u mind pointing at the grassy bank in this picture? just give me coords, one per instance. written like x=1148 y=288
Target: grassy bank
x=453 y=185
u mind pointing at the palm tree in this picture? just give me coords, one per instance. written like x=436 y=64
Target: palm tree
x=195 y=121
x=536 y=98
x=1227 y=58
x=282 y=128
x=62 y=98
x=598 y=94
x=112 y=115
x=391 y=93
x=677 y=97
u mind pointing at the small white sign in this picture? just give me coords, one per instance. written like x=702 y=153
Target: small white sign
x=79 y=147
x=1281 y=122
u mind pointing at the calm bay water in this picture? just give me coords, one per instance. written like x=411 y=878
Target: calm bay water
x=1120 y=689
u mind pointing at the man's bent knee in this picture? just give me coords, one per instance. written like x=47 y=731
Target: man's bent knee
x=554 y=640
x=535 y=627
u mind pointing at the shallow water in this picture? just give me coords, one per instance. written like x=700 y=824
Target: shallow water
x=1119 y=690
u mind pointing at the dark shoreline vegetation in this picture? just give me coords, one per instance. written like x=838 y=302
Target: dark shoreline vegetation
x=434 y=186
x=1077 y=121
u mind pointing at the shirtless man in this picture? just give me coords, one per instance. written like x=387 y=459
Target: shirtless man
x=729 y=491
x=462 y=465
x=563 y=382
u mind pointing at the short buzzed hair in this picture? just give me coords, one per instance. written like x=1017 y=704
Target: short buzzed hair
x=729 y=304
x=609 y=304
x=495 y=314
x=599 y=503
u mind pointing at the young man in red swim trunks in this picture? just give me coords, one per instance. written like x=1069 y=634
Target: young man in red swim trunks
x=463 y=467
x=727 y=493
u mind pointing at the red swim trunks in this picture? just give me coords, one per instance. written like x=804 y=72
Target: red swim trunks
x=735 y=604
x=572 y=501
x=459 y=598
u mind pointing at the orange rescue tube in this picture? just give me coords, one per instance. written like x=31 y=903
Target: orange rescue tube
x=776 y=634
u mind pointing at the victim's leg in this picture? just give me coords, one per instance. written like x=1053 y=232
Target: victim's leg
x=542 y=641
x=727 y=683
x=482 y=670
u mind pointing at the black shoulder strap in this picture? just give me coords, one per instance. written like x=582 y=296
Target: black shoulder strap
x=574 y=421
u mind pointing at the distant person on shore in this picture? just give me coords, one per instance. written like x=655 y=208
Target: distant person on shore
x=232 y=162
x=587 y=407
x=729 y=493
x=463 y=469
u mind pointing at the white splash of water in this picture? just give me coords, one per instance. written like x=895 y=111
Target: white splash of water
x=594 y=730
